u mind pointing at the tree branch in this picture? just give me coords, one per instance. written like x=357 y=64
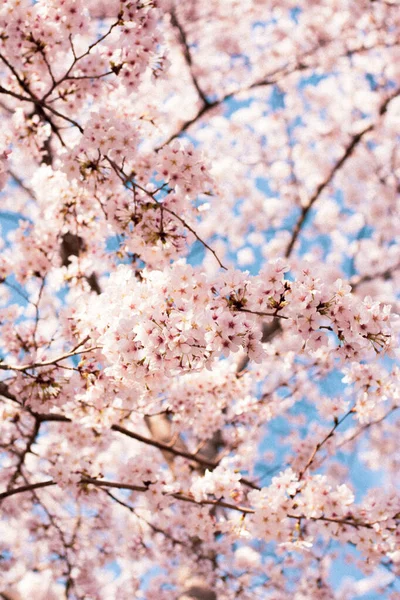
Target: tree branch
x=50 y=362
x=26 y=488
x=354 y=142
x=321 y=444
x=199 y=459
x=188 y=56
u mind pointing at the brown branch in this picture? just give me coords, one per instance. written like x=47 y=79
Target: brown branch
x=40 y=105
x=258 y=313
x=354 y=142
x=52 y=418
x=79 y=77
x=3 y=90
x=165 y=447
x=269 y=331
x=368 y=425
x=200 y=113
x=271 y=79
x=4 y=391
x=129 y=180
x=321 y=444
x=198 y=238
x=57 y=114
x=50 y=362
x=199 y=459
x=113 y=484
x=186 y=498
x=78 y=58
x=21 y=184
x=188 y=56
x=22 y=456
x=153 y=527
x=20 y=79
x=338 y=521
x=63 y=556
x=386 y=274
x=26 y=488
x=178 y=496
x=85 y=481
x=220 y=503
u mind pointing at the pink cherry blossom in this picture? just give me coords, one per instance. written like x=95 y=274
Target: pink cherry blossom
x=199 y=298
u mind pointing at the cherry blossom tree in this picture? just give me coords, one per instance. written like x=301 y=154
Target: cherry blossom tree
x=200 y=276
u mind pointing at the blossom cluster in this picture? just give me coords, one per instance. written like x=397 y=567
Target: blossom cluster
x=332 y=508
x=170 y=430
x=202 y=319
x=34 y=36
x=374 y=389
x=361 y=327
x=105 y=139
x=144 y=341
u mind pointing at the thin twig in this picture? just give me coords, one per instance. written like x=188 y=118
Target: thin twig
x=47 y=363
x=367 y=426
x=126 y=180
x=188 y=56
x=323 y=442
